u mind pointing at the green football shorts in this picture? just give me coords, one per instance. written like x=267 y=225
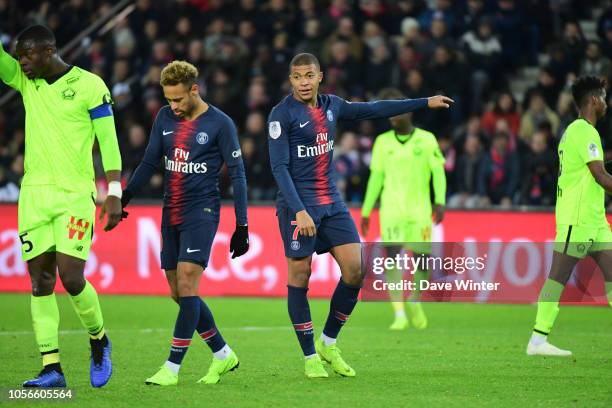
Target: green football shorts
x=579 y=241
x=55 y=220
x=415 y=236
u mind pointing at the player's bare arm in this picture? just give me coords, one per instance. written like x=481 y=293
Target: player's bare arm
x=112 y=203
x=602 y=177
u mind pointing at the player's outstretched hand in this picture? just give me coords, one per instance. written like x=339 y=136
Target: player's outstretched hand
x=305 y=224
x=112 y=207
x=439 y=101
x=365 y=226
x=126 y=196
x=438 y=213
x=239 y=244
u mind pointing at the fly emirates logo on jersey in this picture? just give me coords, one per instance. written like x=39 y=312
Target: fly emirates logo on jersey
x=181 y=164
x=323 y=146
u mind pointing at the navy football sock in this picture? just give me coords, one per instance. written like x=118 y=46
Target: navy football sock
x=299 y=312
x=208 y=330
x=342 y=304
x=186 y=322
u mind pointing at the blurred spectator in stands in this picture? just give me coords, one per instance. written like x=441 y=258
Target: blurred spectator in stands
x=9 y=191
x=464 y=180
x=347 y=164
x=595 y=63
x=438 y=36
x=447 y=75
x=133 y=153
x=509 y=23
x=411 y=34
x=505 y=108
x=606 y=37
x=547 y=86
x=540 y=172
x=195 y=55
x=440 y=10
x=312 y=41
x=471 y=17
x=345 y=33
x=379 y=69
x=181 y=37
x=345 y=68
x=408 y=59
x=414 y=87
x=124 y=86
x=445 y=141
x=566 y=111
x=537 y=113
x=574 y=43
x=560 y=64
x=483 y=52
x=472 y=127
x=498 y=181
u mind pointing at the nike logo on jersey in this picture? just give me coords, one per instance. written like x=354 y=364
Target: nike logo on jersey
x=304 y=124
x=167 y=133
x=192 y=250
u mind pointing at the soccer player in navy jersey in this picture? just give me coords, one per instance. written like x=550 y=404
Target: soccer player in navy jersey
x=311 y=214
x=195 y=139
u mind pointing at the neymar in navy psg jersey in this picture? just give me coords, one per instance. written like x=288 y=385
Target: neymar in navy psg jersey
x=194 y=139
x=311 y=214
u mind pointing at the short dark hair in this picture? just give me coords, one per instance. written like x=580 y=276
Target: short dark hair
x=304 y=59
x=586 y=86
x=37 y=33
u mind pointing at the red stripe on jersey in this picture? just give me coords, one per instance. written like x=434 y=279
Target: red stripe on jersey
x=341 y=316
x=181 y=342
x=303 y=326
x=322 y=160
x=208 y=334
x=176 y=188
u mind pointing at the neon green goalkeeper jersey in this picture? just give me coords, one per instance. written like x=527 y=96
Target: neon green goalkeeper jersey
x=406 y=169
x=580 y=200
x=59 y=126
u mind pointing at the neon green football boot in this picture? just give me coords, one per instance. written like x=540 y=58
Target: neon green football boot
x=164 y=376
x=219 y=367
x=314 y=368
x=331 y=354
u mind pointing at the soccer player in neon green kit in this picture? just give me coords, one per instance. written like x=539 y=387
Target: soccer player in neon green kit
x=65 y=106
x=582 y=227
x=404 y=161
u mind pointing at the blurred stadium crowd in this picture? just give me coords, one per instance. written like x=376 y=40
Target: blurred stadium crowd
x=500 y=145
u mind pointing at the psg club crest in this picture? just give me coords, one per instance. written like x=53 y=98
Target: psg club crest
x=330 y=115
x=202 y=137
x=295 y=245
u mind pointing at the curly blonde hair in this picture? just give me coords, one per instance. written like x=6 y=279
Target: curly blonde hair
x=179 y=72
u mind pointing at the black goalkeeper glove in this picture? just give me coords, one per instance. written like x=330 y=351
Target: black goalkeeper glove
x=126 y=196
x=240 y=241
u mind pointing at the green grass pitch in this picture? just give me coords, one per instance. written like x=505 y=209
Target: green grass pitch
x=471 y=355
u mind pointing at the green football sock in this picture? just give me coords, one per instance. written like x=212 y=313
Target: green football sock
x=45 y=320
x=419 y=275
x=609 y=292
x=548 y=306
x=396 y=295
x=87 y=306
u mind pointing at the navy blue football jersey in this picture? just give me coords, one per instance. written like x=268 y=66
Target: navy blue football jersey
x=193 y=154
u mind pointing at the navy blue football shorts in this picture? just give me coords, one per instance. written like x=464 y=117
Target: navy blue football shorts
x=334 y=223
x=189 y=242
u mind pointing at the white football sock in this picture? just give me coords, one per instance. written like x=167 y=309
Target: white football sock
x=173 y=367
x=223 y=353
x=327 y=340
